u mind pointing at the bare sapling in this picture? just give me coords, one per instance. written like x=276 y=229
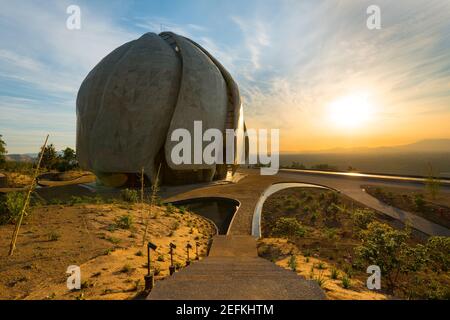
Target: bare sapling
x=153 y=197
x=27 y=200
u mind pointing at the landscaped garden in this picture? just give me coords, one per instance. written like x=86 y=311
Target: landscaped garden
x=324 y=236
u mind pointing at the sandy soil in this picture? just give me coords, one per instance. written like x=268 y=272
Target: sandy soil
x=112 y=259
x=308 y=267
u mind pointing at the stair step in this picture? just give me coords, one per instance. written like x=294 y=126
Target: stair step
x=233 y=270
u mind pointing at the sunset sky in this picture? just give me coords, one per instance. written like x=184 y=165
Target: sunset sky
x=310 y=68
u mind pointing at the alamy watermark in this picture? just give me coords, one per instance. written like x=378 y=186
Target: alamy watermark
x=73 y=22
x=207 y=147
x=374 y=280
x=374 y=19
x=74 y=279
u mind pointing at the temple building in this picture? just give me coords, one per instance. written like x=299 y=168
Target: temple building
x=135 y=97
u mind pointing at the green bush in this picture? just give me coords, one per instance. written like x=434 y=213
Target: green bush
x=11 y=207
x=124 y=222
x=288 y=227
x=438 y=253
x=292 y=263
x=419 y=202
x=362 y=217
x=129 y=195
x=182 y=209
x=427 y=289
x=75 y=200
x=334 y=274
x=346 y=282
x=385 y=247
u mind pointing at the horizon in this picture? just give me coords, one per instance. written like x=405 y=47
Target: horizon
x=337 y=150
x=338 y=85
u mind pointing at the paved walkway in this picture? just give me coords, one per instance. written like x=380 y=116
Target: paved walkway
x=233 y=271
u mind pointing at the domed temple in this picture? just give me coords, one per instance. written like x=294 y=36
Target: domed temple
x=133 y=99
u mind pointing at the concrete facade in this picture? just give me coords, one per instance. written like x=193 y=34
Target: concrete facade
x=130 y=103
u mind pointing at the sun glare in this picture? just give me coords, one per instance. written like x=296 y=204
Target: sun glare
x=350 y=111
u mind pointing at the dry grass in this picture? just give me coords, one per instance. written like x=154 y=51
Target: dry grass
x=87 y=236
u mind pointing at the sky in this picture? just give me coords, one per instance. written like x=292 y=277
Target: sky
x=299 y=65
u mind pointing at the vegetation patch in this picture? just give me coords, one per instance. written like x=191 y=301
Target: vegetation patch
x=430 y=203
x=339 y=239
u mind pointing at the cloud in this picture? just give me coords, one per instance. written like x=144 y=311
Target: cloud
x=255 y=38
x=290 y=59
x=42 y=59
x=322 y=50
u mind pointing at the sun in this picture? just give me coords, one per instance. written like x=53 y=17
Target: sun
x=352 y=111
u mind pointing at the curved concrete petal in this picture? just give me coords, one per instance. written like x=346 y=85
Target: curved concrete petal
x=89 y=100
x=202 y=97
x=132 y=106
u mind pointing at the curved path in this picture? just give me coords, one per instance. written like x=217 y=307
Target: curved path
x=249 y=190
x=256 y=223
x=233 y=269
x=351 y=187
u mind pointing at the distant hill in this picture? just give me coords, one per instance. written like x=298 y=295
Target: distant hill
x=412 y=159
x=27 y=157
x=430 y=145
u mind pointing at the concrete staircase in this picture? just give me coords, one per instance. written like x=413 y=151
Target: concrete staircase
x=233 y=271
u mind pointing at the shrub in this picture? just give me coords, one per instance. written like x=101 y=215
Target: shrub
x=438 y=249
x=12 y=207
x=182 y=209
x=126 y=269
x=419 y=202
x=362 y=217
x=333 y=209
x=333 y=197
x=427 y=289
x=161 y=258
x=315 y=216
x=385 y=247
x=321 y=266
x=346 y=283
x=334 y=274
x=156 y=270
x=288 y=227
x=129 y=195
x=124 y=222
x=75 y=200
x=331 y=233
x=53 y=236
x=292 y=263
x=170 y=208
x=320 y=279
x=139 y=253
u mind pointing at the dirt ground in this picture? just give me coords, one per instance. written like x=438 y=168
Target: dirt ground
x=436 y=210
x=112 y=259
